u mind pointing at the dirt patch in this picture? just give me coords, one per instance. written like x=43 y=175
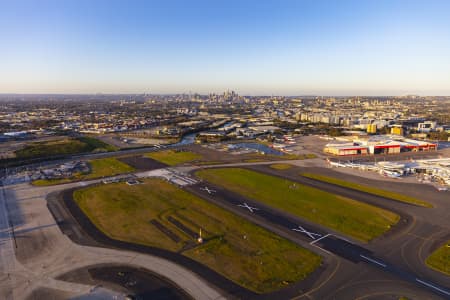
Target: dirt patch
x=142 y=163
x=212 y=155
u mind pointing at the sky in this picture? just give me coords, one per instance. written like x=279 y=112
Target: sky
x=255 y=47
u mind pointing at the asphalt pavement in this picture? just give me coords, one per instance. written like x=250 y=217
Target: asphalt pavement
x=7 y=257
x=351 y=270
x=318 y=236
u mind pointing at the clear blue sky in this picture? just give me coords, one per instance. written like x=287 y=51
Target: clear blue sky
x=372 y=47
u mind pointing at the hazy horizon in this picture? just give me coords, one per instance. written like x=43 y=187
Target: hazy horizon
x=217 y=93
x=323 y=48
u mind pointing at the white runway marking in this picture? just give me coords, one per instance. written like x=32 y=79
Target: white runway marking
x=432 y=286
x=373 y=260
x=316 y=240
x=310 y=234
x=250 y=208
x=210 y=191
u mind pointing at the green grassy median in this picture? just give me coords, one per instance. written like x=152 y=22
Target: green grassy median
x=107 y=167
x=64 y=146
x=48 y=182
x=280 y=166
x=369 y=189
x=171 y=157
x=440 y=259
x=99 y=168
x=241 y=251
x=359 y=220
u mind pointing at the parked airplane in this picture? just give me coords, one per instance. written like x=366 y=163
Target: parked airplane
x=391 y=174
x=336 y=164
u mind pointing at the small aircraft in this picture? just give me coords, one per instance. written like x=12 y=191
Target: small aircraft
x=391 y=174
x=310 y=234
x=335 y=164
x=210 y=191
x=245 y=205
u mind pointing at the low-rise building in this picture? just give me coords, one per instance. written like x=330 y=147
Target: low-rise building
x=379 y=144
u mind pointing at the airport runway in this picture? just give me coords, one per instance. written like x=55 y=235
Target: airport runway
x=351 y=271
x=352 y=258
x=409 y=243
x=315 y=235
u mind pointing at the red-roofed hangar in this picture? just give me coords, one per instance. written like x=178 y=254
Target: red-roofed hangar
x=377 y=145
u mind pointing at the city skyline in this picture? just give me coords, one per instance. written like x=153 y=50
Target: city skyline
x=253 y=47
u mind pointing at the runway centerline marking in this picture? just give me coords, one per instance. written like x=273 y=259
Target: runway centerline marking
x=250 y=208
x=308 y=233
x=432 y=286
x=373 y=261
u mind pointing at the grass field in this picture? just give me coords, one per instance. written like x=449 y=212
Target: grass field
x=171 y=157
x=255 y=160
x=99 y=168
x=97 y=145
x=281 y=166
x=245 y=253
x=440 y=259
x=207 y=163
x=270 y=157
x=107 y=167
x=359 y=220
x=47 y=182
x=289 y=156
x=369 y=189
x=65 y=146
